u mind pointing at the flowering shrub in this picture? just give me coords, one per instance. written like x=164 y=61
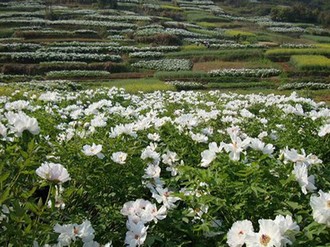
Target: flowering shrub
x=245 y=72
x=146 y=54
x=165 y=168
x=77 y=73
x=304 y=85
x=186 y=85
x=19 y=47
x=57 y=56
x=61 y=85
x=165 y=64
x=287 y=29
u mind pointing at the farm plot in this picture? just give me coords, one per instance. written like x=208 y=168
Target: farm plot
x=102 y=166
x=63 y=41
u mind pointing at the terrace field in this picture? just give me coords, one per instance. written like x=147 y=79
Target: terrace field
x=87 y=44
x=183 y=123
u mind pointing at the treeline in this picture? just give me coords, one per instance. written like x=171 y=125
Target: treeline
x=300 y=13
x=311 y=11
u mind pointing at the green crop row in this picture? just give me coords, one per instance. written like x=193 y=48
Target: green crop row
x=284 y=54
x=77 y=74
x=227 y=55
x=310 y=62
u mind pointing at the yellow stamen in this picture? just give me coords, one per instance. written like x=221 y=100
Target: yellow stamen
x=264 y=239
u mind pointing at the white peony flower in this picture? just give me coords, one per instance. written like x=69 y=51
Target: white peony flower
x=301 y=173
x=238 y=232
x=71 y=232
x=152 y=171
x=154 y=137
x=85 y=231
x=164 y=196
x=286 y=224
x=170 y=158
x=20 y=122
x=66 y=234
x=136 y=235
x=200 y=138
x=3 y=130
x=150 y=153
x=269 y=235
x=321 y=207
x=53 y=172
x=293 y=156
x=324 y=130
x=236 y=147
x=93 y=150
x=257 y=144
x=207 y=157
x=119 y=157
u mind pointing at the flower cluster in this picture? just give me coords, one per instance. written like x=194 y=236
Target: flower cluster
x=287 y=29
x=278 y=232
x=304 y=85
x=146 y=54
x=57 y=56
x=77 y=73
x=165 y=64
x=245 y=72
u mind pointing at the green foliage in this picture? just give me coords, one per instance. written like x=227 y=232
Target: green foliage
x=283 y=54
x=76 y=74
x=226 y=55
x=321 y=39
x=310 y=62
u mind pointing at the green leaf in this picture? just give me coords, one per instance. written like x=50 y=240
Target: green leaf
x=28 y=194
x=4 y=196
x=293 y=205
x=185 y=219
x=4 y=176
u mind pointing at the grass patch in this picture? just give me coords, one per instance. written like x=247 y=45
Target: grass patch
x=170 y=7
x=6 y=91
x=134 y=85
x=207 y=24
x=283 y=54
x=310 y=62
x=317 y=38
x=238 y=33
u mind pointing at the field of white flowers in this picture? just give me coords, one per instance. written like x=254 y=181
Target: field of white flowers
x=107 y=168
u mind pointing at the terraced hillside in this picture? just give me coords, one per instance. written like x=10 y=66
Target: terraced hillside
x=185 y=44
